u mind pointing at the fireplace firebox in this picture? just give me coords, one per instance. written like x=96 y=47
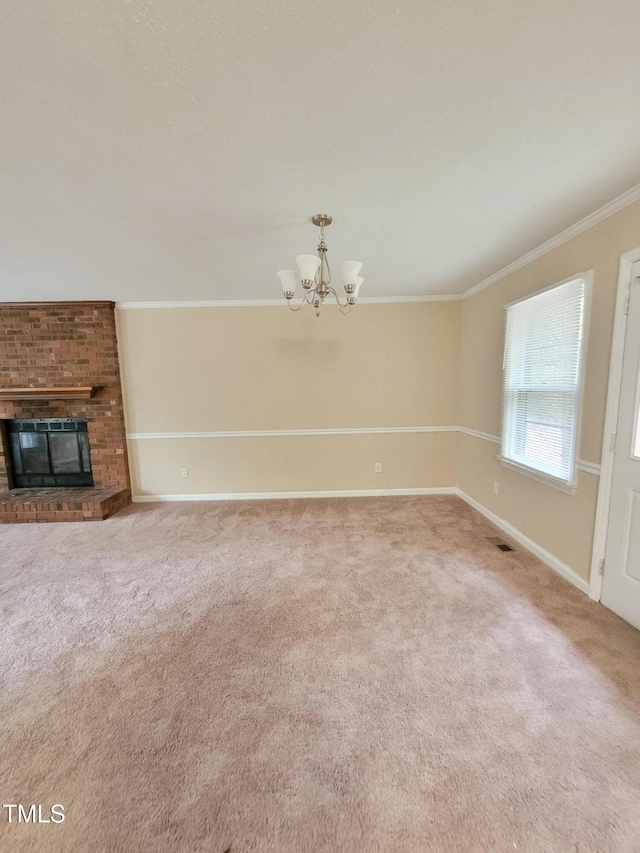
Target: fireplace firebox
x=49 y=452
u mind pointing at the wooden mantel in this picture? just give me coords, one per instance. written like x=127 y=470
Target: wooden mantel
x=81 y=392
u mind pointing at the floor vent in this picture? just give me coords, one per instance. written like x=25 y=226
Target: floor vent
x=499 y=543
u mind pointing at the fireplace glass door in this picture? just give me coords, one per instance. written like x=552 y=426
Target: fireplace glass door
x=50 y=452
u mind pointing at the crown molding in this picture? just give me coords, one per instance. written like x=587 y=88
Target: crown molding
x=589 y=221
x=86 y=303
x=211 y=303
x=433 y=297
x=278 y=303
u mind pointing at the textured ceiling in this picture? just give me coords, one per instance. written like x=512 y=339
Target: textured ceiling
x=156 y=150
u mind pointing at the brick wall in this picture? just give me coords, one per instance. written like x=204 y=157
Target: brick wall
x=67 y=344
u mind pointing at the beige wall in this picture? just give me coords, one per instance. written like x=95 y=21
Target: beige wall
x=432 y=364
x=213 y=369
x=563 y=524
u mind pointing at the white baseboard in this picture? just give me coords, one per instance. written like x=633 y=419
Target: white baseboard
x=269 y=496
x=541 y=553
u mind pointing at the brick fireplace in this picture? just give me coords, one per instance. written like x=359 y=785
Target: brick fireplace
x=59 y=361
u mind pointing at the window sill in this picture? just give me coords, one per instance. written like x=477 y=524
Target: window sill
x=546 y=479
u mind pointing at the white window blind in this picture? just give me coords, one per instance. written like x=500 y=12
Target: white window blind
x=542 y=374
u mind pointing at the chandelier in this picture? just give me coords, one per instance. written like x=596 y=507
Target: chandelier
x=315 y=276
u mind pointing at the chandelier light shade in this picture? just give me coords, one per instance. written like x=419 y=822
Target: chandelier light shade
x=308 y=266
x=289 y=280
x=314 y=275
x=349 y=271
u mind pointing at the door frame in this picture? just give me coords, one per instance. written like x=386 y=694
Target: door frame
x=610 y=423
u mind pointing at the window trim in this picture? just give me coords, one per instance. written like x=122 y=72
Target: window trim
x=540 y=476
x=568 y=486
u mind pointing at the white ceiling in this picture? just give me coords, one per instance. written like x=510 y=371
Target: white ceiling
x=155 y=150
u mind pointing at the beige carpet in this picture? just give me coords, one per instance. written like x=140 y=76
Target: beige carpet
x=343 y=675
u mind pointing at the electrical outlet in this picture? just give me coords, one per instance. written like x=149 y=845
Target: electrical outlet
x=496 y=488
x=378 y=467
x=184 y=472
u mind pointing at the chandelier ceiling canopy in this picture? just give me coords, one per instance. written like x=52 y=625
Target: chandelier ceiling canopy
x=315 y=276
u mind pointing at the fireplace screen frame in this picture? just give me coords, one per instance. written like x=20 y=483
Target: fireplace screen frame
x=44 y=454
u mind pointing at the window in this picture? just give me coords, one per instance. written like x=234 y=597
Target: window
x=542 y=377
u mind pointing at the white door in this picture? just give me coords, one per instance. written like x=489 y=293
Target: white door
x=621 y=582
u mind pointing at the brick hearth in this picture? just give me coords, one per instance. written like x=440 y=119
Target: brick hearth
x=29 y=505
x=61 y=345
